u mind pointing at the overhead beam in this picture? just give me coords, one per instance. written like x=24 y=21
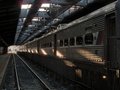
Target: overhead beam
x=63 y=2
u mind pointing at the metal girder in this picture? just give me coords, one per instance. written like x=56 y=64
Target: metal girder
x=19 y=27
x=69 y=11
x=83 y=3
x=20 y=23
x=24 y=13
x=42 y=14
x=28 y=1
x=63 y=2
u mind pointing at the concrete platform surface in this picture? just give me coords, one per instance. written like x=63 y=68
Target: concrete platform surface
x=4 y=59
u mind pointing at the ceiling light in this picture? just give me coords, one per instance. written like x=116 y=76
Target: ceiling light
x=25 y=6
x=41 y=9
x=45 y=5
x=31 y=25
x=56 y=19
x=35 y=19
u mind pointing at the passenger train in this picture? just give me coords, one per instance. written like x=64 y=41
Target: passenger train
x=82 y=50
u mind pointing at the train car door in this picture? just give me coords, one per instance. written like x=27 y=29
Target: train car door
x=55 y=44
x=111 y=51
x=110 y=41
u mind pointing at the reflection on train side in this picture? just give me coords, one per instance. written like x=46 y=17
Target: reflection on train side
x=78 y=72
x=59 y=54
x=69 y=63
x=90 y=56
x=36 y=51
x=43 y=52
x=29 y=50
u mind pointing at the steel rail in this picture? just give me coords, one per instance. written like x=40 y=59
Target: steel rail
x=16 y=74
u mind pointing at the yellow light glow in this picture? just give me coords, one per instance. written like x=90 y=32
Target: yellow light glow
x=104 y=77
x=53 y=50
x=69 y=63
x=78 y=72
x=36 y=51
x=118 y=73
x=90 y=56
x=32 y=51
x=29 y=50
x=59 y=54
x=43 y=51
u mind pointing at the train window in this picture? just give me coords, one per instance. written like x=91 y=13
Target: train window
x=61 y=42
x=89 y=38
x=65 y=42
x=50 y=44
x=72 y=41
x=46 y=44
x=42 y=45
x=79 y=40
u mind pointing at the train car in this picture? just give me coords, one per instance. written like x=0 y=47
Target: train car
x=85 y=47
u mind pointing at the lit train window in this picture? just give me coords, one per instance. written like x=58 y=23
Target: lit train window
x=66 y=42
x=72 y=41
x=61 y=42
x=79 y=40
x=89 y=38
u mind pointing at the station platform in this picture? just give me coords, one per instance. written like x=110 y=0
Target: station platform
x=4 y=59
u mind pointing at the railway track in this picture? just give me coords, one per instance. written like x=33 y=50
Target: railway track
x=20 y=76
